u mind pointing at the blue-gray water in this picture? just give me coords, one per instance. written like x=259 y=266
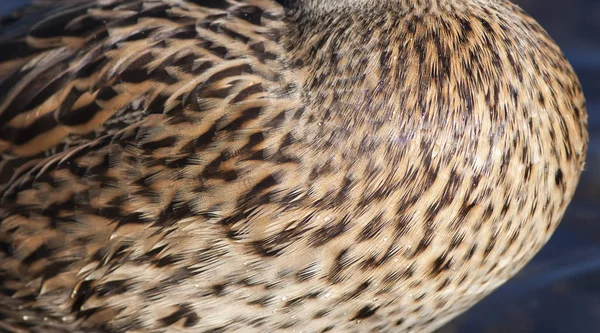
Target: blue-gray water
x=6 y=6
x=559 y=291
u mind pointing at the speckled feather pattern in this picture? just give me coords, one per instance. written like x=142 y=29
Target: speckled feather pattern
x=237 y=166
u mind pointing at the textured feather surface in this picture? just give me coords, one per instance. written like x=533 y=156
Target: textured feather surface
x=220 y=166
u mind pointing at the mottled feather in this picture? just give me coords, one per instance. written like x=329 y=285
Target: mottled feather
x=229 y=165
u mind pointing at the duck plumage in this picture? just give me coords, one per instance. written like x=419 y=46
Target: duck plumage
x=276 y=166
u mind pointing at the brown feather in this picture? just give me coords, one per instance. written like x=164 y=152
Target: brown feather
x=238 y=166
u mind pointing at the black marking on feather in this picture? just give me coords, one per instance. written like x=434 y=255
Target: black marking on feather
x=23 y=135
x=366 y=312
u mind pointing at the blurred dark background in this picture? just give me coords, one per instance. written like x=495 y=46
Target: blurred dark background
x=6 y=6
x=559 y=291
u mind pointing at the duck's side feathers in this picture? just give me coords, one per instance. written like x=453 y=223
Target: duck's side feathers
x=241 y=166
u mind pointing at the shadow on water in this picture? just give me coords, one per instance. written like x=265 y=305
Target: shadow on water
x=559 y=291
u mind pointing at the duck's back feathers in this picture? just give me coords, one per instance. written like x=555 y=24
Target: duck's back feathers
x=93 y=68
x=115 y=116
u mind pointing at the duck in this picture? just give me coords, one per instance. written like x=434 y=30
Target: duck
x=276 y=166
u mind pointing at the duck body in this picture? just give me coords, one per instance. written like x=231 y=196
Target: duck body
x=262 y=166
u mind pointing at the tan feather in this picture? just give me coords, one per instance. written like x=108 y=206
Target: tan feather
x=240 y=166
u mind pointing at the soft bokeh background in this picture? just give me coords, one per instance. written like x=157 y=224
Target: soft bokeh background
x=8 y=5
x=559 y=291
